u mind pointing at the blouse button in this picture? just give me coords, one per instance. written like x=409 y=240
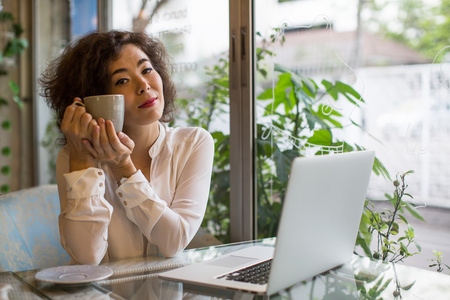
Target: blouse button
x=125 y=202
x=120 y=194
x=100 y=173
x=101 y=184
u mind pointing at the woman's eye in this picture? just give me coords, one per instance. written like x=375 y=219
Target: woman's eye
x=121 y=81
x=147 y=70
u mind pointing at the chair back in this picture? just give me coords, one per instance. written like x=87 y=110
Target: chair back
x=29 y=232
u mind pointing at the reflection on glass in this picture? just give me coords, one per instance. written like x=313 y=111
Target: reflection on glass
x=196 y=35
x=337 y=76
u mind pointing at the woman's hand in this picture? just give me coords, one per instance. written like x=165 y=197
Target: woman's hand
x=77 y=126
x=114 y=149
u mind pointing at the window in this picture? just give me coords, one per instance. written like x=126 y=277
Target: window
x=393 y=55
x=234 y=63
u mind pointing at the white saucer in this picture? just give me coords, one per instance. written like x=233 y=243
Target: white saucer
x=74 y=274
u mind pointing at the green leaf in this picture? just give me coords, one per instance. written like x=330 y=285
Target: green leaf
x=6 y=170
x=14 y=87
x=298 y=80
x=283 y=162
x=329 y=87
x=6 y=125
x=380 y=169
x=313 y=120
x=321 y=137
x=223 y=82
x=408 y=286
x=264 y=148
x=410 y=231
x=18 y=101
x=4 y=189
x=403 y=219
x=350 y=93
x=15 y=46
x=6 y=151
x=17 y=29
x=344 y=89
x=378 y=288
x=414 y=212
x=361 y=241
x=394 y=228
x=418 y=246
x=266 y=95
x=306 y=84
x=326 y=113
x=284 y=81
x=3 y=102
x=283 y=85
x=6 y=16
x=403 y=247
x=409 y=195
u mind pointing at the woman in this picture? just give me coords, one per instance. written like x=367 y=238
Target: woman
x=143 y=190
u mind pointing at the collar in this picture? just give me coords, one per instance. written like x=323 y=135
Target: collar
x=156 y=148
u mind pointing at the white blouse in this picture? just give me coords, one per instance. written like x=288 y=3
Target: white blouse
x=101 y=220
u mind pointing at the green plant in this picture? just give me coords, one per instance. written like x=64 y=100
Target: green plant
x=14 y=46
x=438 y=261
x=297 y=119
x=371 y=287
x=295 y=115
x=386 y=225
x=200 y=111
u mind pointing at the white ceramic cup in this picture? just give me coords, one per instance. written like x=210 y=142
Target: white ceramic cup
x=108 y=107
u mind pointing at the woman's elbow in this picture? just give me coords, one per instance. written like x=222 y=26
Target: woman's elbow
x=173 y=245
x=86 y=260
x=83 y=257
x=171 y=251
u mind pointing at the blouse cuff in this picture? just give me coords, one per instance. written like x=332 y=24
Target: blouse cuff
x=85 y=183
x=135 y=190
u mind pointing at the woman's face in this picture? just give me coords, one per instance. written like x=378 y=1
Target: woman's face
x=134 y=77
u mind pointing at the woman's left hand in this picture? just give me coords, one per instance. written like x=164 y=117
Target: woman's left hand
x=111 y=148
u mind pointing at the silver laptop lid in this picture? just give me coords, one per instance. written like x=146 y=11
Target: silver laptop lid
x=321 y=215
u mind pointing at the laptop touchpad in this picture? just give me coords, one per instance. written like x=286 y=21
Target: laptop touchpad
x=232 y=261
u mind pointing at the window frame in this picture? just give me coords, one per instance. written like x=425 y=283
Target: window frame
x=242 y=122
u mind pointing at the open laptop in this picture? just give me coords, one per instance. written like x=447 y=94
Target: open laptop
x=317 y=230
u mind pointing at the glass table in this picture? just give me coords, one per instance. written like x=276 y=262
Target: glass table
x=137 y=278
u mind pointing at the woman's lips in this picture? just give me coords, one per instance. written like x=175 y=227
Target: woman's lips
x=149 y=103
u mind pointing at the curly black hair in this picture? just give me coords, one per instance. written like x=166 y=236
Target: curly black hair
x=83 y=69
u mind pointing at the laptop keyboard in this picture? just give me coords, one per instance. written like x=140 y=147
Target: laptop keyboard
x=258 y=273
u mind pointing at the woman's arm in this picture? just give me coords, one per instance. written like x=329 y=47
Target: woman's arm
x=172 y=227
x=85 y=213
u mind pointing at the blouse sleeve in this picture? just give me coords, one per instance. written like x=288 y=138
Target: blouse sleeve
x=85 y=213
x=171 y=228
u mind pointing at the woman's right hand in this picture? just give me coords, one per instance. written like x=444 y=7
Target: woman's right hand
x=77 y=125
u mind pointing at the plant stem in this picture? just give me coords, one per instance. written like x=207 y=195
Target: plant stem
x=212 y=106
x=297 y=118
x=398 y=194
x=261 y=181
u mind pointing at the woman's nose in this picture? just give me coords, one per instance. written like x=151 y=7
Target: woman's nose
x=143 y=87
